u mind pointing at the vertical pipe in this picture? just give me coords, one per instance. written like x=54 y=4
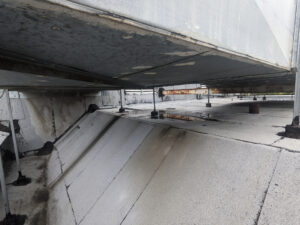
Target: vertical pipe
x=3 y=188
x=208 y=96
x=13 y=134
x=121 y=99
x=154 y=100
x=297 y=99
x=121 y=110
x=296 y=64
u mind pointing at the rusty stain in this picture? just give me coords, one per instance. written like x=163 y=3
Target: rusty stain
x=126 y=37
x=185 y=91
x=180 y=117
x=166 y=115
x=55 y=28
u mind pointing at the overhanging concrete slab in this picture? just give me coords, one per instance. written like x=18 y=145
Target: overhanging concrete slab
x=87 y=44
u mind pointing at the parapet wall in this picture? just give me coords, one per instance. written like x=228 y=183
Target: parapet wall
x=44 y=116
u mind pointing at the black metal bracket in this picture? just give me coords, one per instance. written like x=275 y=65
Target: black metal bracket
x=12 y=219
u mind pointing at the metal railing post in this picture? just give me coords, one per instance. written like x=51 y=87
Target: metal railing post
x=3 y=188
x=297 y=100
x=154 y=113
x=22 y=180
x=208 y=104
x=154 y=103
x=13 y=133
x=122 y=109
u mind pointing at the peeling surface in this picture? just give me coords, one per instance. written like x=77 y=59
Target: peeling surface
x=115 y=44
x=30 y=200
x=186 y=64
x=182 y=54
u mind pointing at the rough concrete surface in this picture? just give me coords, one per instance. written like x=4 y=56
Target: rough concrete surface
x=30 y=200
x=102 y=164
x=228 y=118
x=202 y=183
x=117 y=201
x=74 y=144
x=220 y=166
x=282 y=203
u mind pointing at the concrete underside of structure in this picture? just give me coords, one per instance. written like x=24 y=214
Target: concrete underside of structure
x=49 y=46
x=220 y=166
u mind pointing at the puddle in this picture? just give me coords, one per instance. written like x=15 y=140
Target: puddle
x=178 y=117
x=165 y=115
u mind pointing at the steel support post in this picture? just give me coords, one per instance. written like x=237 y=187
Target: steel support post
x=9 y=219
x=13 y=133
x=297 y=100
x=154 y=113
x=254 y=108
x=293 y=130
x=121 y=110
x=208 y=104
x=22 y=180
x=3 y=188
x=265 y=98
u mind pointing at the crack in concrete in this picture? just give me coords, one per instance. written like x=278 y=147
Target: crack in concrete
x=236 y=139
x=277 y=141
x=66 y=187
x=70 y=201
x=100 y=135
x=82 y=155
x=266 y=191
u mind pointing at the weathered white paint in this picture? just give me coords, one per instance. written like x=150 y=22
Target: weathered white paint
x=103 y=163
x=115 y=203
x=77 y=142
x=136 y=174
